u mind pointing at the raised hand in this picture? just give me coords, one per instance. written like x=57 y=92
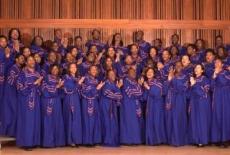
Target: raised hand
x=38 y=81
x=7 y=52
x=141 y=81
x=192 y=81
x=100 y=85
x=60 y=83
x=171 y=74
x=120 y=83
x=146 y=86
x=81 y=80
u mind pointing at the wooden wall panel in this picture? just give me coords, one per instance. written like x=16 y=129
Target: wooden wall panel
x=133 y=12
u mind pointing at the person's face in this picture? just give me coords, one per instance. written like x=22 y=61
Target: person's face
x=199 y=44
x=93 y=49
x=219 y=41
x=111 y=52
x=52 y=57
x=139 y=35
x=198 y=70
x=55 y=71
x=178 y=67
x=153 y=53
x=73 y=69
x=157 y=43
x=134 y=49
x=15 y=35
x=74 y=52
x=38 y=41
x=190 y=50
x=93 y=71
x=209 y=57
x=37 y=58
x=30 y=62
x=220 y=52
x=112 y=76
x=69 y=57
x=174 y=51
x=91 y=58
x=218 y=64
x=78 y=42
x=175 y=39
x=26 y=52
x=96 y=35
x=21 y=60
x=55 y=47
x=109 y=62
x=165 y=55
x=3 y=42
x=132 y=73
x=117 y=37
x=150 y=74
x=128 y=60
x=185 y=61
x=58 y=34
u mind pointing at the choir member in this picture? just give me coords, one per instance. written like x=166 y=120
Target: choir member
x=187 y=66
x=95 y=41
x=200 y=45
x=164 y=66
x=26 y=52
x=38 y=62
x=91 y=120
x=14 y=41
x=51 y=59
x=84 y=67
x=155 y=125
x=52 y=117
x=78 y=43
x=209 y=63
x=4 y=57
x=29 y=112
x=110 y=100
x=118 y=45
x=37 y=46
x=141 y=43
x=223 y=55
x=199 y=108
x=131 y=114
x=220 y=84
x=72 y=106
x=159 y=45
x=58 y=36
x=175 y=41
x=10 y=103
x=176 y=107
x=195 y=57
x=175 y=54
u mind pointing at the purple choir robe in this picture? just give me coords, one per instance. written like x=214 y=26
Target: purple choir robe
x=200 y=111
x=10 y=102
x=29 y=113
x=72 y=110
x=52 y=118
x=221 y=107
x=155 y=125
x=176 y=111
x=109 y=102
x=131 y=114
x=91 y=121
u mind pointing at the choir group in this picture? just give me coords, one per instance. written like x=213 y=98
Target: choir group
x=65 y=92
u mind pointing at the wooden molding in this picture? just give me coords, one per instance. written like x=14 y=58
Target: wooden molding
x=114 y=23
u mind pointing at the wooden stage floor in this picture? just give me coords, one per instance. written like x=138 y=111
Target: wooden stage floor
x=124 y=150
